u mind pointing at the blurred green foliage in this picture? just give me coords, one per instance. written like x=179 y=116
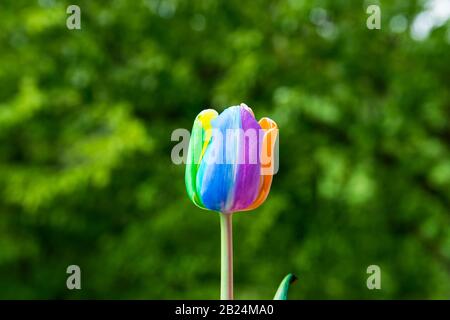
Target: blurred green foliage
x=86 y=176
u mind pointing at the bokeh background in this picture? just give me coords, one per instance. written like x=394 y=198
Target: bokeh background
x=86 y=118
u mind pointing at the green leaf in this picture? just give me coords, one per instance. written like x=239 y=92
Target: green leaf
x=282 y=291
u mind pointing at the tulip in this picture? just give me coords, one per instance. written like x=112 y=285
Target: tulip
x=229 y=169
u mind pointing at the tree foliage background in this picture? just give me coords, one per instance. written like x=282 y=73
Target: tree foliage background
x=86 y=176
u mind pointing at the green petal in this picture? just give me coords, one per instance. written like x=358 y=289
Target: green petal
x=284 y=287
x=200 y=138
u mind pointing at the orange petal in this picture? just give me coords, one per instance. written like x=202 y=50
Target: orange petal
x=267 y=158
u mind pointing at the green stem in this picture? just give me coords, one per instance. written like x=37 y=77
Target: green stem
x=226 y=239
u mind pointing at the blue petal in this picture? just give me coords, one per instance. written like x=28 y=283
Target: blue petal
x=217 y=172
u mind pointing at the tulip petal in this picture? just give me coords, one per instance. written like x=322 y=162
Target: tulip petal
x=248 y=169
x=267 y=150
x=216 y=174
x=246 y=107
x=200 y=138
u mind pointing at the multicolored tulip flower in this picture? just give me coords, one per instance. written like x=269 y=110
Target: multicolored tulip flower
x=231 y=161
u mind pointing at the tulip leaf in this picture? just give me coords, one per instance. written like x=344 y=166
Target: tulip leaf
x=282 y=291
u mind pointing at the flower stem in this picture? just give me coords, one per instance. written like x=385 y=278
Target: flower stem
x=226 y=274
